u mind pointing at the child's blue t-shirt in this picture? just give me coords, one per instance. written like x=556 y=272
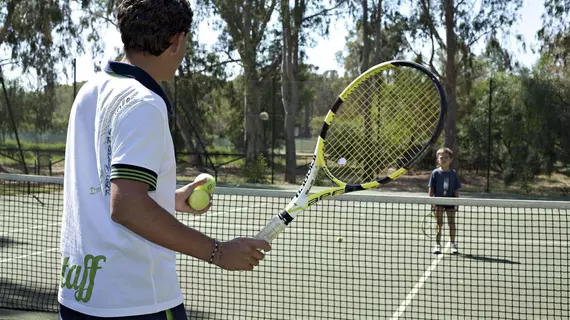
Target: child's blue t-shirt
x=444 y=183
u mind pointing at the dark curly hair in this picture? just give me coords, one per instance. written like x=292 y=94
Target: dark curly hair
x=148 y=25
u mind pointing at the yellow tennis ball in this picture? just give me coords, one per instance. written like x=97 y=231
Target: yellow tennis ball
x=198 y=200
x=209 y=186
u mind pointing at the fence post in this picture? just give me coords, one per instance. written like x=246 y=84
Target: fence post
x=489 y=134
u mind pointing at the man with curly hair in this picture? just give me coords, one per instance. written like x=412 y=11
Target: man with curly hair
x=119 y=235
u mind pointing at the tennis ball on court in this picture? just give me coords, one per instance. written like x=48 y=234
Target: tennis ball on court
x=199 y=199
x=209 y=186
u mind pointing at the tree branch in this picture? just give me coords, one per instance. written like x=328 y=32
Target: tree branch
x=323 y=12
x=7 y=20
x=98 y=15
x=223 y=63
x=456 y=7
x=431 y=25
x=432 y=67
x=265 y=21
x=410 y=47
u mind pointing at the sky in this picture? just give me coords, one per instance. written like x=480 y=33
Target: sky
x=323 y=54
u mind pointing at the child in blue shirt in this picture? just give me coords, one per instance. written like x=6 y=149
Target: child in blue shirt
x=444 y=182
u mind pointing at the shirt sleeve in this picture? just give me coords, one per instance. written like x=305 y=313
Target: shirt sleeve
x=457 y=181
x=138 y=144
x=431 y=182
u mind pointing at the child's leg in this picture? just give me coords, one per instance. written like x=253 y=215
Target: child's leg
x=439 y=217
x=451 y=222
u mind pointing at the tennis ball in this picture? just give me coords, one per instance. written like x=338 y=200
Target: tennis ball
x=209 y=186
x=199 y=199
x=264 y=116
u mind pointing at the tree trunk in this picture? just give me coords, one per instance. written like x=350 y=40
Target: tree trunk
x=184 y=126
x=378 y=54
x=290 y=147
x=253 y=129
x=290 y=91
x=307 y=131
x=246 y=22
x=185 y=132
x=451 y=78
x=365 y=58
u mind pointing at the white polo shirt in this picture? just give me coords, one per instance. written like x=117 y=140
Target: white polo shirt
x=118 y=128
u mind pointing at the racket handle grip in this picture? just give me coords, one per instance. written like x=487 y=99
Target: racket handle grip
x=277 y=224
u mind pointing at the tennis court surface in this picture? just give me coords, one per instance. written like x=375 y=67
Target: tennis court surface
x=358 y=256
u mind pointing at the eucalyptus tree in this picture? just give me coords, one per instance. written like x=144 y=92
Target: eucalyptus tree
x=300 y=19
x=451 y=29
x=244 y=29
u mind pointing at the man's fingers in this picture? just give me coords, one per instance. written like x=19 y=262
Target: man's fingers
x=258 y=255
x=254 y=262
x=187 y=189
x=260 y=244
x=199 y=182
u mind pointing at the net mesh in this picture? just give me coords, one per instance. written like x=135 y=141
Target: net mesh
x=382 y=125
x=363 y=256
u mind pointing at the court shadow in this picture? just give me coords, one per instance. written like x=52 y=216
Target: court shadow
x=31 y=297
x=487 y=259
x=13 y=314
x=27 y=296
x=5 y=242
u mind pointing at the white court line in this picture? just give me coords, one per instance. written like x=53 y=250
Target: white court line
x=417 y=287
x=31 y=228
x=28 y=255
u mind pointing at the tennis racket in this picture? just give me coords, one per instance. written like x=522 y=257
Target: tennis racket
x=382 y=123
x=429 y=224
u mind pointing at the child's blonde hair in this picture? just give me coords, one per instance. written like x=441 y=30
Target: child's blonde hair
x=444 y=150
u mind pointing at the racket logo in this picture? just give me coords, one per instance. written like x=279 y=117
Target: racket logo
x=307 y=178
x=325 y=195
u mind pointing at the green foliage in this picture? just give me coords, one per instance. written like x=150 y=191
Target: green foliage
x=555 y=31
x=36 y=111
x=529 y=117
x=257 y=170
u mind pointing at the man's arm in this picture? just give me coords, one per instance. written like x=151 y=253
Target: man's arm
x=137 y=150
x=132 y=207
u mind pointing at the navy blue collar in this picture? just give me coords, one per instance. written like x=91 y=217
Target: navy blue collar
x=131 y=71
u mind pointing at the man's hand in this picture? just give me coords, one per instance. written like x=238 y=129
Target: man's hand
x=182 y=194
x=240 y=254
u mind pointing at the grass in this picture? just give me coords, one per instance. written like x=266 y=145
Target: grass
x=10 y=156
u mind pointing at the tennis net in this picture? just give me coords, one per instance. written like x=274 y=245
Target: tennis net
x=359 y=256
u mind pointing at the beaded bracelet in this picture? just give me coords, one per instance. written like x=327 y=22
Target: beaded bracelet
x=216 y=247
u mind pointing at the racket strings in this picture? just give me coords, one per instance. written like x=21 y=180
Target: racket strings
x=382 y=125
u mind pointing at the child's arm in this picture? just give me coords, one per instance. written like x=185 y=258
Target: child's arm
x=431 y=184
x=456 y=192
